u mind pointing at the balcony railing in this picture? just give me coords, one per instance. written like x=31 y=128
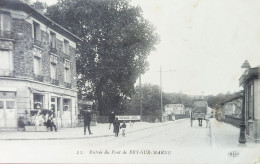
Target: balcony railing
x=67 y=85
x=6 y=73
x=54 y=81
x=53 y=50
x=38 y=43
x=38 y=77
x=8 y=34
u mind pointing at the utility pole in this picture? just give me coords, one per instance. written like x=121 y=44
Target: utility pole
x=161 y=91
x=161 y=88
x=141 y=102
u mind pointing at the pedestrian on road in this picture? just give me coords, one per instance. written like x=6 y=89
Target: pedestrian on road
x=111 y=118
x=116 y=127
x=200 y=121
x=123 y=127
x=87 y=120
x=131 y=124
x=207 y=117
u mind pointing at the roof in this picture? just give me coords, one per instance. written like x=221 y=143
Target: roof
x=236 y=96
x=18 y=5
x=250 y=73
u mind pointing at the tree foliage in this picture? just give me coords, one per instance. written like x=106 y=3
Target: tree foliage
x=116 y=43
x=151 y=101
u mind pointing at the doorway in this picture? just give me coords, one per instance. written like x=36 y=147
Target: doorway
x=8 y=113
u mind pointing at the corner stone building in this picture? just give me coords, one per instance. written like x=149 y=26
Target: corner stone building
x=37 y=66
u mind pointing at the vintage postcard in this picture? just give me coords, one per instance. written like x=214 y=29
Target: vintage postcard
x=130 y=81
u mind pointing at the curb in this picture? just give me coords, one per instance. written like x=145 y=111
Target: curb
x=101 y=136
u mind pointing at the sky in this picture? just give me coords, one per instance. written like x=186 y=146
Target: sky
x=203 y=43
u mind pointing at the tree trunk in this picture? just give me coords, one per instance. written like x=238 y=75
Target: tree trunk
x=99 y=94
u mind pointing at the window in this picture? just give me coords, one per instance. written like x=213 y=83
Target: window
x=52 y=40
x=7 y=95
x=6 y=63
x=10 y=105
x=36 y=31
x=66 y=104
x=66 y=46
x=67 y=75
x=5 y=22
x=38 y=101
x=67 y=71
x=53 y=71
x=37 y=65
x=1 y=104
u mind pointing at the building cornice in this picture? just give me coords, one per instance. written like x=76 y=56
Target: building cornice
x=18 y=5
x=250 y=73
x=38 y=82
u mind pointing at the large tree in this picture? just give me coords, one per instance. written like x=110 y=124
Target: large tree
x=116 y=43
x=151 y=101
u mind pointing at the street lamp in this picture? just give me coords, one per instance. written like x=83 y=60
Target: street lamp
x=242 y=136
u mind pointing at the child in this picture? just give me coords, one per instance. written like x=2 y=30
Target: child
x=123 y=126
x=116 y=127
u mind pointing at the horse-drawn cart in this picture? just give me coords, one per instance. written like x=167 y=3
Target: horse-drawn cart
x=199 y=112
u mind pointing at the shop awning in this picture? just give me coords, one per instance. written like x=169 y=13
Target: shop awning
x=36 y=91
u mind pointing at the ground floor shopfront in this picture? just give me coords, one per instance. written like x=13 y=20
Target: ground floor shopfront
x=28 y=98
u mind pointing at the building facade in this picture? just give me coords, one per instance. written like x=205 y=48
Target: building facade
x=174 y=109
x=37 y=66
x=251 y=84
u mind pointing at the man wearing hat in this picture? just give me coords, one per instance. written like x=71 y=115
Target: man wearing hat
x=87 y=120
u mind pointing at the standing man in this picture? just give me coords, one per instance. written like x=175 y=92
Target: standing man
x=111 y=118
x=87 y=120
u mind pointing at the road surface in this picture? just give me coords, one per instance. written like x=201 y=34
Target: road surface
x=176 y=142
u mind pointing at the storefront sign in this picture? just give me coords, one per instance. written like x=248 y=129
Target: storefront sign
x=136 y=117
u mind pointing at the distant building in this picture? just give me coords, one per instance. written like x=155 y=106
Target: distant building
x=174 y=109
x=37 y=66
x=251 y=82
x=231 y=107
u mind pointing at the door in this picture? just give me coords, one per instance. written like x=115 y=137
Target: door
x=8 y=114
x=54 y=106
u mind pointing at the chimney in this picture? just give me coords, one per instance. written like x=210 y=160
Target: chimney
x=245 y=66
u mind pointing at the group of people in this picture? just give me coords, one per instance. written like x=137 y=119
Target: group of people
x=113 y=120
x=116 y=124
x=46 y=120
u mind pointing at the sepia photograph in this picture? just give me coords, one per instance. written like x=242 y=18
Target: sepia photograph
x=130 y=81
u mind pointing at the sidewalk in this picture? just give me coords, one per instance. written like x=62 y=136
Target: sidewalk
x=101 y=130
x=224 y=140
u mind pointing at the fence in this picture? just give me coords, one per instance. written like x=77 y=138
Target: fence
x=231 y=120
x=181 y=116
x=151 y=119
